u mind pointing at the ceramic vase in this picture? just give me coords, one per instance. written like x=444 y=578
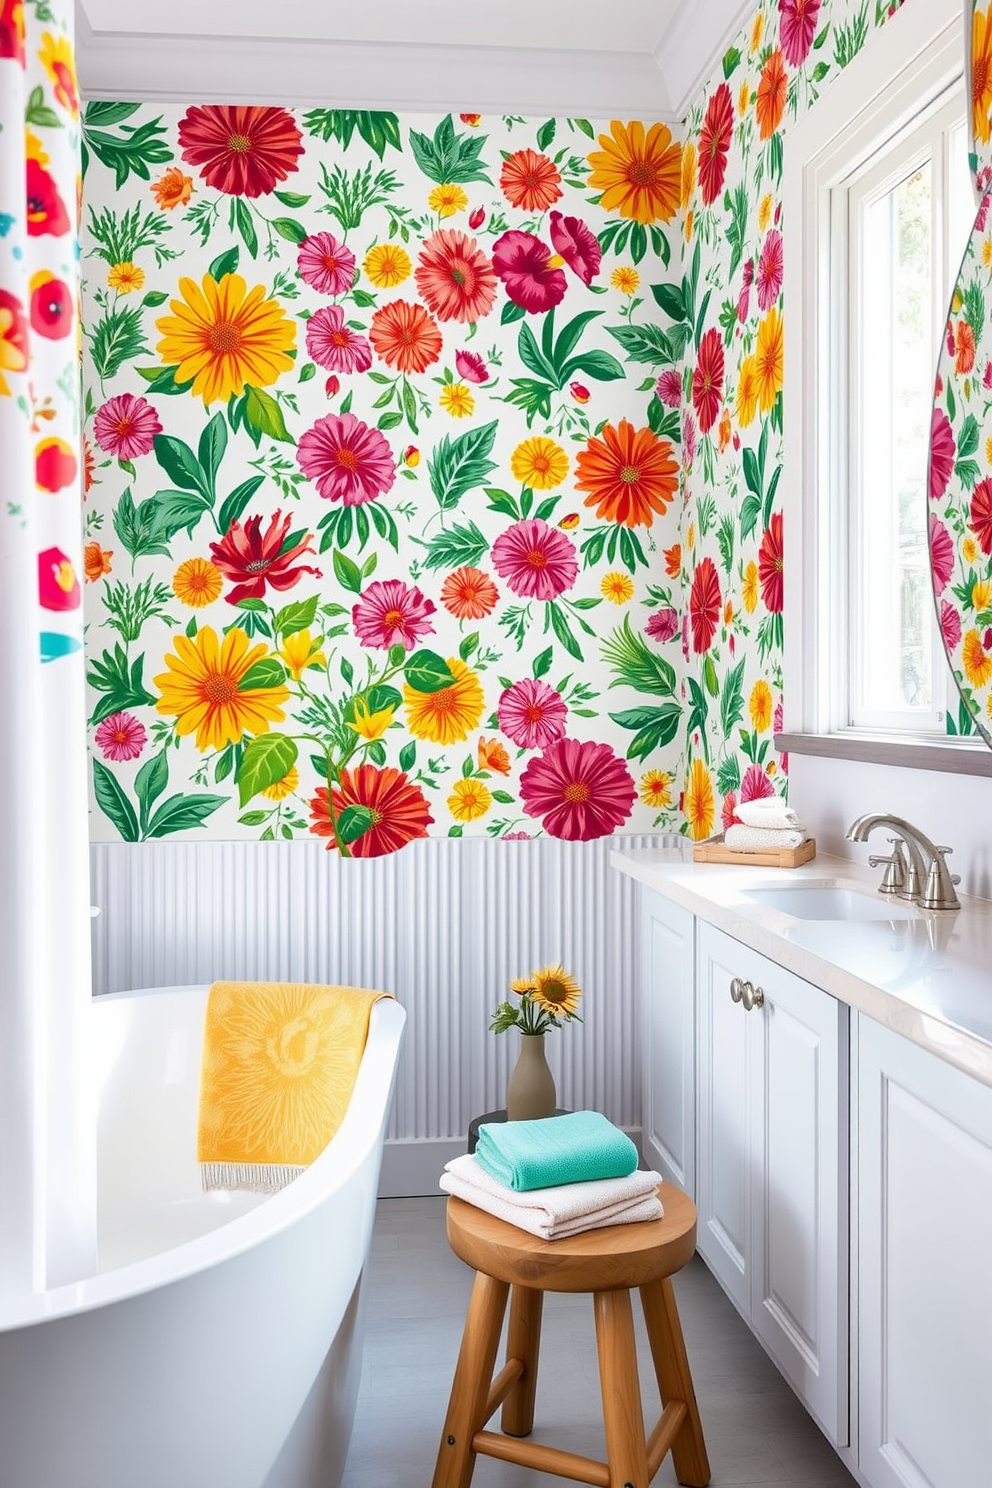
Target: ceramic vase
x=530 y=1090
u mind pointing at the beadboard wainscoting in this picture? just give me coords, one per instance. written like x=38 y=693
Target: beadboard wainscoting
x=444 y=925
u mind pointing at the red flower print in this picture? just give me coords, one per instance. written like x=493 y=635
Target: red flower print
x=536 y=561
x=120 y=737
x=524 y=264
x=981 y=515
x=51 y=306
x=530 y=181
x=405 y=336
x=577 y=245
x=55 y=464
x=728 y=813
x=756 y=786
x=254 y=559
x=704 y=605
x=455 y=277
x=334 y=345
x=714 y=143
x=398 y=811
x=346 y=459
x=942 y=453
x=942 y=552
x=950 y=625
x=238 y=149
x=707 y=379
x=392 y=613
x=58 y=587
x=46 y=209
x=532 y=714
x=13 y=338
x=796 y=28
x=580 y=789
x=469 y=594
x=770 y=270
x=12 y=30
x=325 y=264
x=126 y=426
x=770 y=565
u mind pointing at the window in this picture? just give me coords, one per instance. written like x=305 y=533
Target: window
x=903 y=219
x=878 y=207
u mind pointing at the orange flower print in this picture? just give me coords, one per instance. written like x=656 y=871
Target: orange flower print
x=965 y=343
x=173 y=189
x=773 y=89
x=493 y=756
x=96 y=561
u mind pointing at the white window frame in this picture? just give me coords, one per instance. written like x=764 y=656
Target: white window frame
x=903 y=67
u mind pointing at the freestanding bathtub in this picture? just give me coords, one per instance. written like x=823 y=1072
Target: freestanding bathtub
x=220 y=1344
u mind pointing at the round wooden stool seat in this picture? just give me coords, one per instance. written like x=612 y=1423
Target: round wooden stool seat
x=604 y=1260
x=608 y=1263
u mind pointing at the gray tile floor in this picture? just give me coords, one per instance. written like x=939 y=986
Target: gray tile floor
x=757 y=1433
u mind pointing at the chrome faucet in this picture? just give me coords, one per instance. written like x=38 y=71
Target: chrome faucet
x=926 y=880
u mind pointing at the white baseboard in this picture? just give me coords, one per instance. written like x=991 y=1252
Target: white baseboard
x=410 y=1169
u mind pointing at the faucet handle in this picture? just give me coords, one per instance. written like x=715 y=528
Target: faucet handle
x=939 y=892
x=895 y=873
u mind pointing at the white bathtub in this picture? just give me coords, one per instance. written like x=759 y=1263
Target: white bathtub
x=220 y=1344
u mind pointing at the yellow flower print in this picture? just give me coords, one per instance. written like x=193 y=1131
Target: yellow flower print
x=969 y=548
x=749 y=588
x=743 y=99
x=197 y=583
x=447 y=199
x=457 y=400
x=301 y=650
x=757 y=31
x=55 y=56
x=34 y=149
x=760 y=705
x=765 y=211
x=125 y=277
x=280 y=789
x=202 y=689
x=539 y=463
x=469 y=800
x=370 y=725
x=769 y=356
x=655 y=789
x=975 y=659
x=688 y=173
x=981 y=594
x=625 y=279
x=699 y=806
x=747 y=392
x=448 y=716
x=618 y=588
x=387 y=264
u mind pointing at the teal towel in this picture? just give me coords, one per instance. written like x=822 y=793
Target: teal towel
x=555 y=1150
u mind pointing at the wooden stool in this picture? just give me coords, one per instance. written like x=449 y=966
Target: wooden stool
x=606 y=1262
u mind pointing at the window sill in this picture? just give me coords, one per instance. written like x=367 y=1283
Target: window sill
x=964 y=757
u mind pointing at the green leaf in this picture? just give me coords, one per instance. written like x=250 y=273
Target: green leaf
x=266 y=672
x=210 y=450
x=38 y=113
x=347 y=572
x=225 y=263
x=263 y=414
x=655 y=727
x=307 y=372
x=561 y=628
x=599 y=365
x=458 y=465
x=253 y=818
x=968 y=437
x=427 y=672
x=635 y=664
x=297 y=616
x=510 y=312
x=178 y=509
x=133 y=151
x=731 y=61
x=545 y=134
x=181 y=465
x=353 y=822
x=750 y=509
x=180 y=813
x=732 y=698
x=235 y=504
x=408 y=755
x=291 y=198
x=113 y=802
x=710 y=677
x=290 y=229
x=139 y=528
x=117 y=338
x=532 y=356
x=163 y=380
x=149 y=783
x=267 y=759
x=647 y=343
x=153 y=299
x=542 y=663
x=122 y=687
x=246 y=227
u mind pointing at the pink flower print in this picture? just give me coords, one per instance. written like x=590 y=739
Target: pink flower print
x=942 y=452
x=580 y=789
x=121 y=737
x=536 y=561
x=346 y=459
x=325 y=264
x=755 y=785
x=941 y=554
x=770 y=270
x=532 y=714
x=796 y=28
x=334 y=345
x=392 y=613
x=126 y=426
x=470 y=367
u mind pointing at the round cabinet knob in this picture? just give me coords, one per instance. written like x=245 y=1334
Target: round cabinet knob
x=736 y=989
x=753 y=997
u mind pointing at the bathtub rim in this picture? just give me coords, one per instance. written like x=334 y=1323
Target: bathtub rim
x=361 y=1131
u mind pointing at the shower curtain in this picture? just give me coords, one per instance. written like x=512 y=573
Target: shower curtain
x=47 y=1138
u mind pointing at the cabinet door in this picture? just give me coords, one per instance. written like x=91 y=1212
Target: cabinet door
x=668 y=1033
x=772 y=1164
x=726 y=1075
x=925 y=1274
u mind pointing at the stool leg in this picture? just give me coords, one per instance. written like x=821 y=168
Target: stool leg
x=473 y=1377
x=626 y=1451
x=675 y=1381
x=523 y=1342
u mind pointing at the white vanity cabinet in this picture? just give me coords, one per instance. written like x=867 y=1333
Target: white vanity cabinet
x=924 y=1267
x=668 y=1040
x=772 y=1172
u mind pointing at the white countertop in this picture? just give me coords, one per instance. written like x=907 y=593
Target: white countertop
x=927 y=976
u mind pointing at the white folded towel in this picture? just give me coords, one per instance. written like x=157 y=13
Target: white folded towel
x=552 y=1213
x=759 y=839
x=769 y=811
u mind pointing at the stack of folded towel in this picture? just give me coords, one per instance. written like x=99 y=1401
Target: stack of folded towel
x=765 y=823
x=555 y=1177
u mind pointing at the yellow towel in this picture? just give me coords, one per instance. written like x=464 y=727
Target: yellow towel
x=279 y=1065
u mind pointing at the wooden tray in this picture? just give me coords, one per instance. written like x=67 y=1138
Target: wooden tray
x=714 y=851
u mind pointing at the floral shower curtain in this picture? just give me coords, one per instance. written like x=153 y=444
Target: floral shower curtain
x=47 y=1141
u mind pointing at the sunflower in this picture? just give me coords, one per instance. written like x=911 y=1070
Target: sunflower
x=638 y=173
x=699 y=805
x=539 y=463
x=469 y=800
x=768 y=358
x=629 y=475
x=202 y=688
x=554 y=991
x=387 y=264
x=197 y=582
x=448 y=716
x=221 y=335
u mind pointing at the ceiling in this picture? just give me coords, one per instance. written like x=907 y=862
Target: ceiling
x=637 y=58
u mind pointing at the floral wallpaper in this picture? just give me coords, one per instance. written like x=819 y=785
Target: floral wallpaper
x=382 y=457
x=960 y=472
x=728 y=314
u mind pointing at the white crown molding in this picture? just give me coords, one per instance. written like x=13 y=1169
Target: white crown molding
x=697 y=37
x=397 y=77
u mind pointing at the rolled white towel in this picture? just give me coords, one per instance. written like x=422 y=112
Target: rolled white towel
x=769 y=811
x=553 y=1213
x=759 y=839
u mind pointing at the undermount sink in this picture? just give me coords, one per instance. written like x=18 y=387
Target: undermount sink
x=830 y=902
